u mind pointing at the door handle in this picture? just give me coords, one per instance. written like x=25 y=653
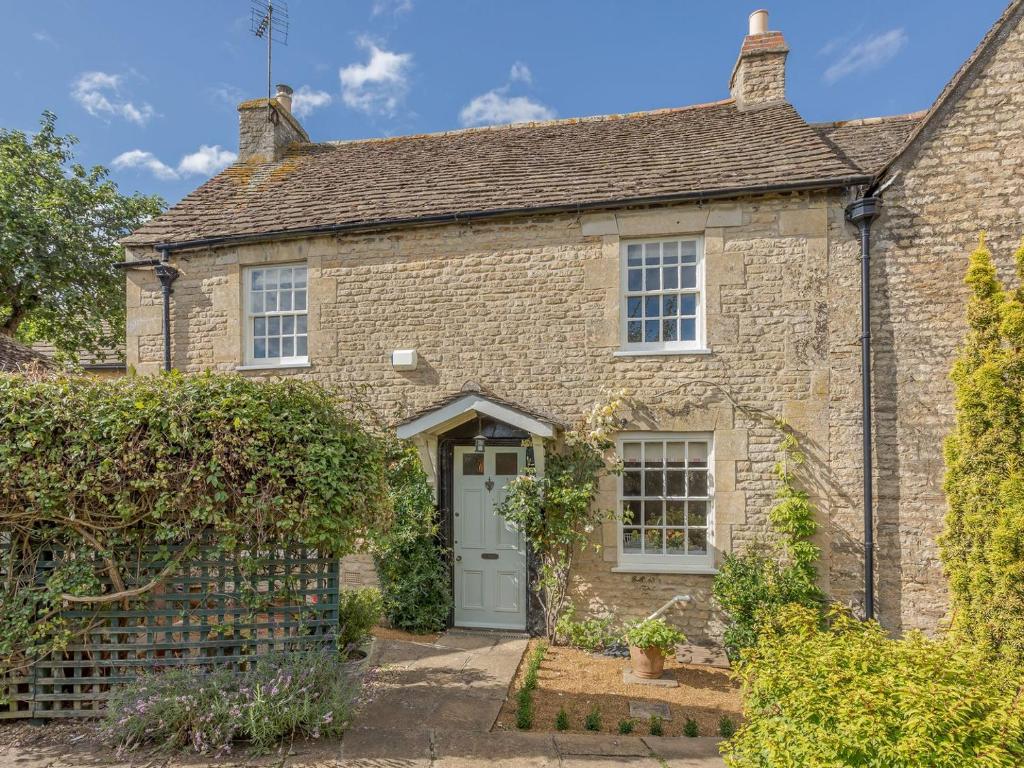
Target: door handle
x=458 y=558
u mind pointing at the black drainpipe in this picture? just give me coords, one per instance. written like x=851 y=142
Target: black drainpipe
x=862 y=212
x=166 y=274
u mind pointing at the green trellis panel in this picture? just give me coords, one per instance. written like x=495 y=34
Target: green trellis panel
x=194 y=618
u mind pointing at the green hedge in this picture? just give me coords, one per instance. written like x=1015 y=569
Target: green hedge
x=845 y=694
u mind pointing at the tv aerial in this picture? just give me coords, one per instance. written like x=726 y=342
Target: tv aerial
x=269 y=19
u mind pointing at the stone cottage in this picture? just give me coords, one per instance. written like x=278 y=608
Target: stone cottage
x=497 y=282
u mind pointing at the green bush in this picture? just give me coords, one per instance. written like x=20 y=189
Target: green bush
x=726 y=727
x=205 y=712
x=592 y=722
x=359 y=611
x=100 y=469
x=654 y=633
x=411 y=568
x=533 y=666
x=562 y=720
x=848 y=695
x=690 y=728
x=981 y=547
x=655 y=726
x=751 y=586
x=524 y=709
x=626 y=726
x=592 y=634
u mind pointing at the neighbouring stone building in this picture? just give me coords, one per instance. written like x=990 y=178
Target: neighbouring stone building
x=499 y=281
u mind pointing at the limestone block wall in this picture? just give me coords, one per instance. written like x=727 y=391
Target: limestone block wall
x=529 y=308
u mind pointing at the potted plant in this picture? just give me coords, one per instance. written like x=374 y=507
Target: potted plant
x=649 y=642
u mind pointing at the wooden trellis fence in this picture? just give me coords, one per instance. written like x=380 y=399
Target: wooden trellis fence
x=217 y=609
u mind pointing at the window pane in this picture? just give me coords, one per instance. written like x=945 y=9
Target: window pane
x=631 y=512
x=270 y=279
x=286 y=301
x=653 y=283
x=634 y=331
x=633 y=306
x=652 y=253
x=285 y=278
x=670 y=253
x=631 y=540
x=688 y=304
x=300 y=300
x=654 y=480
x=506 y=463
x=274 y=326
x=697 y=514
x=669 y=329
x=631 y=483
x=669 y=305
x=257 y=280
x=653 y=540
x=674 y=483
x=675 y=542
x=636 y=278
x=300 y=324
x=270 y=302
x=698 y=485
x=689 y=277
x=675 y=455
x=259 y=326
x=669 y=278
x=688 y=249
x=653 y=455
x=259 y=348
x=631 y=454
x=698 y=454
x=652 y=306
x=288 y=325
x=651 y=330
x=300 y=346
x=273 y=347
x=288 y=346
x=698 y=542
x=687 y=330
x=634 y=254
x=653 y=513
x=472 y=463
x=299 y=277
x=675 y=512
x=256 y=304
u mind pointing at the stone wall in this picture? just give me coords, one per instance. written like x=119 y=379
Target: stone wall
x=964 y=174
x=529 y=309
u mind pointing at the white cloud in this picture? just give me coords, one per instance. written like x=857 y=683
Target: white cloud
x=137 y=158
x=306 y=100
x=496 y=107
x=205 y=161
x=226 y=94
x=379 y=85
x=520 y=72
x=394 y=7
x=99 y=94
x=44 y=37
x=867 y=55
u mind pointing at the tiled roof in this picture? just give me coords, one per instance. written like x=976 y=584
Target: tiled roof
x=871 y=142
x=475 y=390
x=707 y=150
x=15 y=357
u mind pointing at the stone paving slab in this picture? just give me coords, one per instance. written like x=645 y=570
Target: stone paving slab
x=600 y=744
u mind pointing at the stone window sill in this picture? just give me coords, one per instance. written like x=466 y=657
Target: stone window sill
x=284 y=366
x=660 y=352
x=696 y=570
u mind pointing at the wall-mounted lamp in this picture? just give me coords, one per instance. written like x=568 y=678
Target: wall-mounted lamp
x=479 y=442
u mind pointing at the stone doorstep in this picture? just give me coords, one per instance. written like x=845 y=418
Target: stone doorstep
x=665 y=681
x=702 y=654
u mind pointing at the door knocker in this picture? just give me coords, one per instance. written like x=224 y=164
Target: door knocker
x=489 y=485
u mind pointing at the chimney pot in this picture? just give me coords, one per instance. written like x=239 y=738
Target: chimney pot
x=758 y=22
x=284 y=96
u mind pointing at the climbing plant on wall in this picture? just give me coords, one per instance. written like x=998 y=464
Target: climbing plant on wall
x=983 y=544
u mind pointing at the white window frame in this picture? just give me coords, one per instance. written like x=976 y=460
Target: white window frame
x=248 y=316
x=699 y=343
x=665 y=563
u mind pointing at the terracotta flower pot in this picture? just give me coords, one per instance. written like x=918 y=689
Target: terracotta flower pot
x=648 y=663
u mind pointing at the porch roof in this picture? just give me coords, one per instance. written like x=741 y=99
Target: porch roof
x=460 y=407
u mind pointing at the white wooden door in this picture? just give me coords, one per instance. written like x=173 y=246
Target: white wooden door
x=490 y=555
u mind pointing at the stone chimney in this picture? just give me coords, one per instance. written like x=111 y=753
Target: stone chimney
x=759 y=76
x=267 y=128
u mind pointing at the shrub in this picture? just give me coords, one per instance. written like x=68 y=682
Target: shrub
x=205 y=711
x=726 y=727
x=562 y=720
x=848 y=695
x=592 y=722
x=752 y=585
x=981 y=546
x=99 y=470
x=655 y=726
x=411 y=568
x=654 y=633
x=626 y=726
x=690 y=728
x=359 y=611
x=524 y=709
x=592 y=634
x=533 y=666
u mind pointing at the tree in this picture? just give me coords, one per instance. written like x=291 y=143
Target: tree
x=983 y=545
x=59 y=228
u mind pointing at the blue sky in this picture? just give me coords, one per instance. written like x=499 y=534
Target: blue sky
x=150 y=88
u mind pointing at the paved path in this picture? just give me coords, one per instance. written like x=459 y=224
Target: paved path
x=432 y=706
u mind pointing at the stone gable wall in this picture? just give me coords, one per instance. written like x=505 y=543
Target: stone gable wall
x=529 y=308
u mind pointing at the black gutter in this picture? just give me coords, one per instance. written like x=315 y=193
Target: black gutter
x=861 y=213
x=451 y=218
x=166 y=274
